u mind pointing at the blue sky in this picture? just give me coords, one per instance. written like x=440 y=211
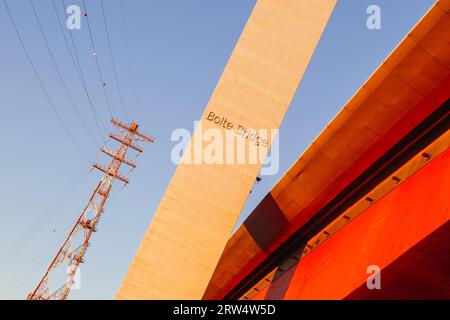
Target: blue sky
x=178 y=51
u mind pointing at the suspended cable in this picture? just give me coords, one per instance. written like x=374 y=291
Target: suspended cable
x=19 y=245
x=113 y=63
x=41 y=84
x=71 y=187
x=27 y=271
x=100 y=74
x=75 y=61
x=58 y=71
x=138 y=106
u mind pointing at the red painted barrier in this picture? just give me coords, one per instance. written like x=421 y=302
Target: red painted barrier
x=378 y=236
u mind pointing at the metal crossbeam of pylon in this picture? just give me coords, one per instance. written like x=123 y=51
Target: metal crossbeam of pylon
x=71 y=252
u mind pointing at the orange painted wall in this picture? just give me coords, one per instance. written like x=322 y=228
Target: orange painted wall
x=381 y=234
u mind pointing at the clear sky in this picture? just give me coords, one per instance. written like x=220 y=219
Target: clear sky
x=178 y=52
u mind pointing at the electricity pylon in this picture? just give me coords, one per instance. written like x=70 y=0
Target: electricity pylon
x=91 y=213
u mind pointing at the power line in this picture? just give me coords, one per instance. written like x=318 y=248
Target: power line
x=79 y=71
x=138 y=106
x=66 y=192
x=71 y=187
x=73 y=251
x=100 y=74
x=14 y=251
x=41 y=84
x=58 y=71
x=112 y=61
x=19 y=245
x=60 y=24
x=28 y=270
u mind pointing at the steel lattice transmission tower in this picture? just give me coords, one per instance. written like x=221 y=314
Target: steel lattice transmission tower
x=89 y=217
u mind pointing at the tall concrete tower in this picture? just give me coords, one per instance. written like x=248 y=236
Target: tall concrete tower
x=199 y=210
